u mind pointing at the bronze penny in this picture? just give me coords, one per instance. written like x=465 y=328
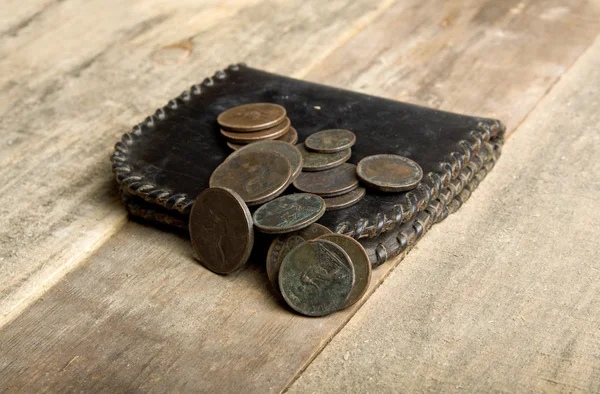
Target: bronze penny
x=328 y=183
x=289 y=213
x=360 y=261
x=221 y=230
x=316 y=278
x=283 y=244
x=267 y=134
x=289 y=151
x=330 y=141
x=291 y=137
x=315 y=161
x=251 y=117
x=344 y=200
x=389 y=173
x=257 y=176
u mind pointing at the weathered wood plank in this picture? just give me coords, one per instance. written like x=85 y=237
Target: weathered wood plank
x=154 y=329
x=502 y=297
x=490 y=58
x=64 y=105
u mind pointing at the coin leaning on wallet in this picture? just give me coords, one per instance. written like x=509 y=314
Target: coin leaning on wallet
x=289 y=187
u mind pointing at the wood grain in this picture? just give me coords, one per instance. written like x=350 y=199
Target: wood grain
x=502 y=297
x=490 y=58
x=140 y=314
x=64 y=105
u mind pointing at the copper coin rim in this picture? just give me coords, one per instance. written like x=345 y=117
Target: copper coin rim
x=298 y=226
x=274 y=275
x=326 y=312
x=346 y=189
x=266 y=125
x=245 y=214
x=292 y=130
x=327 y=166
x=267 y=134
x=360 y=193
x=356 y=293
x=384 y=186
x=274 y=194
x=307 y=142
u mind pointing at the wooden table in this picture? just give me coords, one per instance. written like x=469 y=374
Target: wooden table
x=91 y=301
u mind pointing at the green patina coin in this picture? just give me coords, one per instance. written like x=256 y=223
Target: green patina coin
x=315 y=161
x=283 y=244
x=289 y=213
x=316 y=278
x=330 y=141
x=360 y=262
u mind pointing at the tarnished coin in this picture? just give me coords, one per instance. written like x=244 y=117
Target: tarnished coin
x=314 y=161
x=330 y=141
x=235 y=146
x=289 y=213
x=328 y=183
x=360 y=261
x=283 y=244
x=257 y=176
x=316 y=278
x=221 y=230
x=389 y=173
x=291 y=137
x=267 y=134
x=251 y=117
x=289 y=151
x=345 y=200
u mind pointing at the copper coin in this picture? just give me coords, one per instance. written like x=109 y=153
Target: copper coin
x=316 y=278
x=289 y=151
x=291 y=137
x=251 y=117
x=283 y=244
x=360 y=261
x=328 y=183
x=257 y=176
x=315 y=161
x=267 y=134
x=330 y=141
x=389 y=173
x=344 y=200
x=221 y=230
x=289 y=213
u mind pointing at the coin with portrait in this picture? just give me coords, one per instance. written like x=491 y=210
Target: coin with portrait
x=330 y=141
x=289 y=213
x=251 y=117
x=389 y=173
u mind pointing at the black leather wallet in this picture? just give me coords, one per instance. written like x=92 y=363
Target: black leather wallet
x=165 y=161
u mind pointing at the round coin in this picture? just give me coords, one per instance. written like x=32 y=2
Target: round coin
x=314 y=161
x=289 y=151
x=235 y=146
x=291 y=137
x=257 y=176
x=345 y=200
x=289 y=213
x=251 y=117
x=328 y=183
x=316 y=278
x=330 y=141
x=360 y=261
x=389 y=173
x=267 y=134
x=221 y=230
x=283 y=244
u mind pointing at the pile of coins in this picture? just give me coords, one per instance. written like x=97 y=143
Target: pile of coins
x=316 y=271
x=255 y=122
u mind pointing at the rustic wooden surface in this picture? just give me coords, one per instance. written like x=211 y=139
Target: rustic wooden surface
x=138 y=313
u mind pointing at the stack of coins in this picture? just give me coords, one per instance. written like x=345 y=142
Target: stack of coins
x=317 y=272
x=249 y=123
x=326 y=171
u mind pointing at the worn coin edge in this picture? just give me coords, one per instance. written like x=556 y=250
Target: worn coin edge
x=330 y=150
